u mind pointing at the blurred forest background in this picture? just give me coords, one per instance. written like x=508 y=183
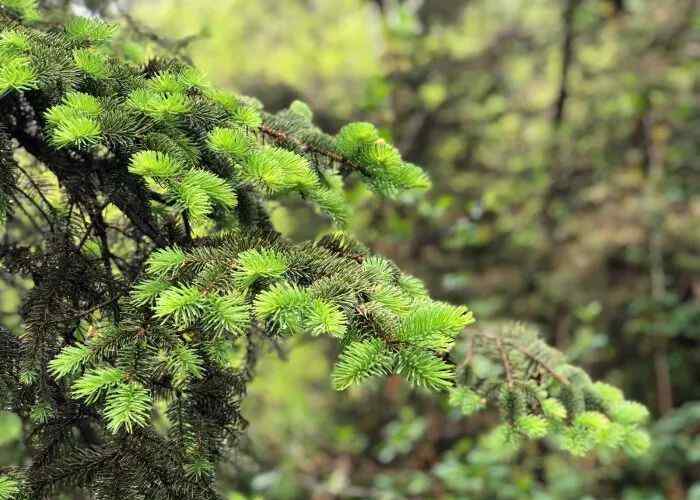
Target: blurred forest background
x=563 y=140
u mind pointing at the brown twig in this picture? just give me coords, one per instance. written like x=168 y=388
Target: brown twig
x=505 y=361
x=283 y=137
x=499 y=344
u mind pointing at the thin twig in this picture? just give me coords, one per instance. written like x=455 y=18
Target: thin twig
x=26 y=213
x=34 y=184
x=499 y=342
x=505 y=361
x=558 y=377
x=283 y=137
x=37 y=206
x=87 y=312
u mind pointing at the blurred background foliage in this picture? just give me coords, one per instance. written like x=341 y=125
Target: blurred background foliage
x=563 y=140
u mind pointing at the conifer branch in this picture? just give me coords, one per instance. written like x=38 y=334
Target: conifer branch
x=197 y=271
x=282 y=138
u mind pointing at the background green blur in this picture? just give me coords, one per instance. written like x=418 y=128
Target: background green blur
x=563 y=140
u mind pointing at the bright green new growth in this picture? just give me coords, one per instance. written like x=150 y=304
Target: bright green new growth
x=160 y=107
x=360 y=361
x=96 y=382
x=128 y=405
x=155 y=164
x=26 y=9
x=466 y=400
x=283 y=305
x=424 y=369
x=276 y=170
x=554 y=410
x=388 y=173
x=231 y=142
x=41 y=413
x=434 y=325
x=227 y=313
x=254 y=265
x=182 y=304
x=13 y=42
x=540 y=395
x=75 y=121
x=201 y=184
x=532 y=426
x=91 y=62
x=69 y=361
x=326 y=318
x=16 y=74
x=166 y=261
x=86 y=30
x=146 y=291
x=9 y=488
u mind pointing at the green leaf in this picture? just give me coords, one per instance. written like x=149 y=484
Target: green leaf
x=182 y=304
x=380 y=268
x=27 y=9
x=70 y=361
x=95 y=382
x=214 y=186
x=194 y=78
x=166 y=261
x=13 y=43
x=412 y=286
x=532 y=426
x=276 y=170
x=193 y=198
x=92 y=63
x=86 y=104
x=613 y=436
x=554 y=409
x=381 y=158
x=18 y=75
x=199 y=468
x=231 y=142
x=146 y=291
x=284 y=304
x=629 y=412
x=637 y=442
x=227 y=313
x=161 y=107
x=332 y=202
x=353 y=136
x=9 y=488
x=410 y=176
x=391 y=298
x=589 y=429
x=79 y=131
x=166 y=82
x=184 y=364
x=325 y=318
x=421 y=368
x=466 y=400
x=128 y=406
x=611 y=395
x=91 y=30
x=225 y=99
x=247 y=116
x=434 y=325
x=41 y=413
x=302 y=109
x=155 y=164
x=359 y=361
x=253 y=265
